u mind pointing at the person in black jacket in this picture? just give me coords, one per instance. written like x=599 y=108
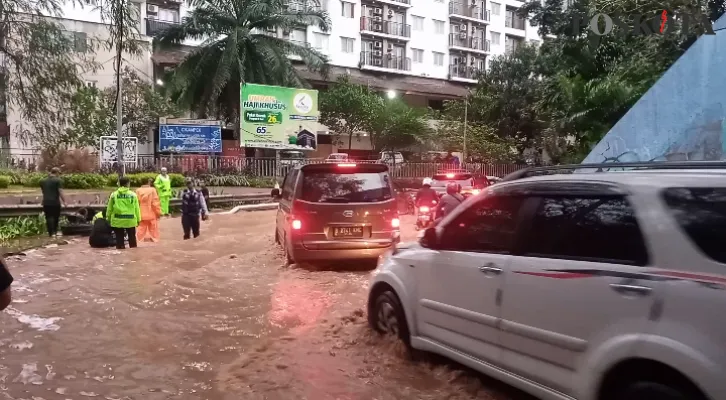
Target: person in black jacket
x=5 y=281
x=193 y=205
x=101 y=232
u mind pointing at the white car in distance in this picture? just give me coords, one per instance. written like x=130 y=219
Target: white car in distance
x=589 y=286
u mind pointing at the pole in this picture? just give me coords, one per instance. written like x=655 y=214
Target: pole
x=119 y=131
x=119 y=80
x=466 y=115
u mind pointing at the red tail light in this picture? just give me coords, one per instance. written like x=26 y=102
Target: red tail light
x=450 y=176
x=424 y=209
x=395 y=223
x=347 y=165
x=475 y=191
x=296 y=224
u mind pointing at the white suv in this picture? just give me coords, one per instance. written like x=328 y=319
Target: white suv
x=600 y=286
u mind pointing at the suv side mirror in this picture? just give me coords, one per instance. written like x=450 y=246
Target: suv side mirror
x=429 y=239
x=275 y=193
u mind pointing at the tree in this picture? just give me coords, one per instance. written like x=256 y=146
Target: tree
x=238 y=48
x=94 y=113
x=43 y=63
x=395 y=125
x=347 y=109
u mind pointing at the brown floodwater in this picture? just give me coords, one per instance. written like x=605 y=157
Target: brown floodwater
x=217 y=317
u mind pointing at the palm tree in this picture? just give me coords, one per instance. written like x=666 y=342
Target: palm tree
x=238 y=48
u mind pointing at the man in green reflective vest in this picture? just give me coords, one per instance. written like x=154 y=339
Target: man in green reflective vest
x=123 y=213
x=162 y=183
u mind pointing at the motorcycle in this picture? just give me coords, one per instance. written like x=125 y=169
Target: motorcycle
x=425 y=217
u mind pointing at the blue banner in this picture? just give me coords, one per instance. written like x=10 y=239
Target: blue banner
x=190 y=138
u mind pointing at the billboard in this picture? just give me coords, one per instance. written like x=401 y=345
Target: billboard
x=276 y=117
x=190 y=138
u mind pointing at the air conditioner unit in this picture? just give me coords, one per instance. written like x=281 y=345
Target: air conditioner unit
x=377 y=18
x=377 y=53
x=473 y=62
x=377 y=62
x=377 y=11
x=152 y=9
x=473 y=30
x=376 y=27
x=286 y=32
x=390 y=46
x=377 y=44
x=463 y=27
x=390 y=13
x=473 y=3
x=462 y=35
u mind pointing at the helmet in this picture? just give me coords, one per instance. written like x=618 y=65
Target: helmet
x=453 y=188
x=427 y=182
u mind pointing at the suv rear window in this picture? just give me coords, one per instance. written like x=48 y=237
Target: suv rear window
x=463 y=179
x=361 y=187
x=701 y=213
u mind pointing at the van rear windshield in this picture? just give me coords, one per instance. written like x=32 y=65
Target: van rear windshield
x=326 y=187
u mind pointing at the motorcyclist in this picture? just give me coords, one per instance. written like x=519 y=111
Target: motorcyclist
x=426 y=196
x=450 y=200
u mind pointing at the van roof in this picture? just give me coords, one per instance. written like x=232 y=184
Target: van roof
x=344 y=167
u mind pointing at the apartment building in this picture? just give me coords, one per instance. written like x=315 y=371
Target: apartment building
x=425 y=51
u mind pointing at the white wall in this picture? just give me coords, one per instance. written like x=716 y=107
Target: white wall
x=428 y=40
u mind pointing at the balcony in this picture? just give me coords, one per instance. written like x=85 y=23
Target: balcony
x=397 y=3
x=385 y=28
x=463 y=72
x=302 y=6
x=380 y=59
x=466 y=11
x=475 y=43
x=154 y=26
x=301 y=43
x=514 y=23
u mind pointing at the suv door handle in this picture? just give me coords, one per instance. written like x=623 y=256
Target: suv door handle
x=490 y=268
x=631 y=289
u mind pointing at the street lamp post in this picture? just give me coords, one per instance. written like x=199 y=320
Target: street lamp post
x=466 y=112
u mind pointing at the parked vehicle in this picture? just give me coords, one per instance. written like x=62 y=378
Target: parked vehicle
x=587 y=286
x=340 y=211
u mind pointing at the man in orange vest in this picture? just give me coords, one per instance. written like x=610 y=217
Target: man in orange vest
x=150 y=212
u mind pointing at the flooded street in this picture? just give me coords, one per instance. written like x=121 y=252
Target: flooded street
x=218 y=317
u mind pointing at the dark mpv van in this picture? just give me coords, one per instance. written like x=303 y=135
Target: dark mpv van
x=336 y=211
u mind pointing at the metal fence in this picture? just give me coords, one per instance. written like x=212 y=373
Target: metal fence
x=267 y=167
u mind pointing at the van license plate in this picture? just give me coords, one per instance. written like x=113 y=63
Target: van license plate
x=348 y=232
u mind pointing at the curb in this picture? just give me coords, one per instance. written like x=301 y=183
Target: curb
x=250 y=207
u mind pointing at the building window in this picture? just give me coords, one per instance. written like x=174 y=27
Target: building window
x=91 y=84
x=417 y=55
x=78 y=40
x=346 y=44
x=496 y=8
x=438 y=59
x=348 y=9
x=439 y=27
x=418 y=23
x=496 y=37
x=320 y=41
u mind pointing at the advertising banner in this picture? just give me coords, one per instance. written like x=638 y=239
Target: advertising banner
x=276 y=117
x=190 y=138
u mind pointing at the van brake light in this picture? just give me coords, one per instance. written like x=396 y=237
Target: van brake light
x=450 y=176
x=296 y=224
x=395 y=223
x=347 y=165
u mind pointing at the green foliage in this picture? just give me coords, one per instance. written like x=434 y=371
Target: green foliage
x=44 y=63
x=12 y=228
x=5 y=181
x=565 y=95
x=348 y=109
x=482 y=142
x=238 y=48
x=94 y=113
x=236 y=180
